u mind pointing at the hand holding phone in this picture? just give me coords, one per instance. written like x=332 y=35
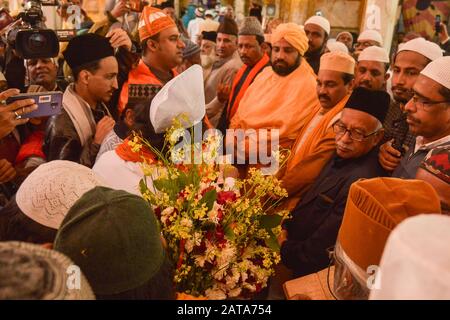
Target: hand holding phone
x=9 y=113
x=437 y=23
x=48 y=103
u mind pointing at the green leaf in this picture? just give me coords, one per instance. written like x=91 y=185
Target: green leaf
x=142 y=186
x=229 y=233
x=270 y=221
x=183 y=180
x=163 y=184
x=272 y=242
x=209 y=198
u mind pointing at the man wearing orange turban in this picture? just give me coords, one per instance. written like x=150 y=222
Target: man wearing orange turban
x=281 y=97
x=162 y=51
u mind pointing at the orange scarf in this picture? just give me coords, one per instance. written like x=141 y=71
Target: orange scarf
x=125 y=152
x=247 y=82
x=305 y=165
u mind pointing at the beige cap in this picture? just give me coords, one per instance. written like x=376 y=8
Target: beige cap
x=337 y=61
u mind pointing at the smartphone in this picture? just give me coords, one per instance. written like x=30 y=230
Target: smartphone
x=437 y=23
x=49 y=103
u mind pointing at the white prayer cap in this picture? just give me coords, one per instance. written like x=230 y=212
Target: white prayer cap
x=49 y=192
x=183 y=95
x=344 y=32
x=210 y=13
x=321 y=22
x=373 y=35
x=374 y=53
x=335 y=46
x=439 y=71
x=426 y=48
x=416 y=261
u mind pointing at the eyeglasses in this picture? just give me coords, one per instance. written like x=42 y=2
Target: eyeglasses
x=340 y=129
x=425 y=105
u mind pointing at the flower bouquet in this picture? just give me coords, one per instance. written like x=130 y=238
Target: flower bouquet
x=221 y=232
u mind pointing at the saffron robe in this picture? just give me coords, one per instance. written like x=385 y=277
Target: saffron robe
x=305 y=164
x=276 y=102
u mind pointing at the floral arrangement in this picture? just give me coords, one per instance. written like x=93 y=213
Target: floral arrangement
x=220 y=231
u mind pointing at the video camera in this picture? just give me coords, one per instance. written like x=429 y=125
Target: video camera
x=31 y=39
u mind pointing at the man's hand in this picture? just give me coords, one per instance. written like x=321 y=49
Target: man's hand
x=119 y=9
x=119 y=38
x=104 y=127
x=223 y=92
x=389 y=157
x=9 y=113
x=7 y=171
x=443 y=35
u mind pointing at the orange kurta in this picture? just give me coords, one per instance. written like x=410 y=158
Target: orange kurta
x=305 y=165
x=276 y=102
x=139 y=75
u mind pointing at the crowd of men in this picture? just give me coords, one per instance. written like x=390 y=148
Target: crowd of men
x=368 y=136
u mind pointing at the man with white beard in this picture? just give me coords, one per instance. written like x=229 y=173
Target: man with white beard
x=208 y=51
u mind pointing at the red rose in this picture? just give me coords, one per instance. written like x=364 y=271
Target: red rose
x=226 y=196
x=158 y=212
x=219 y=215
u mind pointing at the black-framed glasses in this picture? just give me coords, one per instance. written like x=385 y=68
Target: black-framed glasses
x=425 y=105
x=340 y=129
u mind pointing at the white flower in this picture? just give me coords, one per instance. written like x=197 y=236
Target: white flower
x=215 y=294
x=185 y=222
x=189 y=245
x=200 y=261
x=232 y=280
x=166 y=213
x=213 y=214
x=250 y=287
x=235 y=292
x=178 y=155
x=224 y=259
x=176 y=135
x=229 y=184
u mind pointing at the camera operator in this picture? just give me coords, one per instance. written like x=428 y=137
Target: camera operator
x=43 y=72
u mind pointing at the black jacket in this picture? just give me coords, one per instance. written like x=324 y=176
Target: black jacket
x=61 y=139
x=63 y=143
x=317 y=217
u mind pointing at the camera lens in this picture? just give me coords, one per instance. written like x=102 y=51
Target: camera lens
x=37 y=41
